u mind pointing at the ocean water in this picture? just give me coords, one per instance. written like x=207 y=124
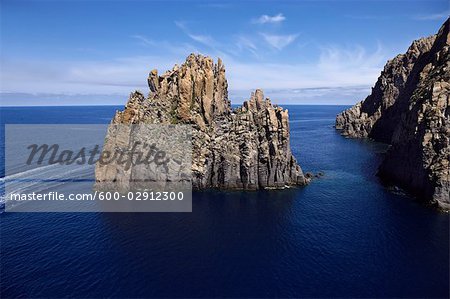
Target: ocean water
x=344 y=235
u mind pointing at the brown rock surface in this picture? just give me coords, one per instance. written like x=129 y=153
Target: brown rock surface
x=245 y=148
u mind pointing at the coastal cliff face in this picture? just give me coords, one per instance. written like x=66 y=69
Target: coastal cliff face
x=410 y=108
x=244 y=148
x=378 y=115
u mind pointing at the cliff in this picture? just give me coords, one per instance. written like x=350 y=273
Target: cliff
x=244 y=148
x=409 y=107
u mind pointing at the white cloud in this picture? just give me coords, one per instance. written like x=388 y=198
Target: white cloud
x=433 y=17
x=145 y=41
x=203 y=39
x=120 y=75
x=279 y=41
x=165 y=46
x=264 y=19
x=337 y=66
x=309 y=96
x=245 y=43
x=337 y=58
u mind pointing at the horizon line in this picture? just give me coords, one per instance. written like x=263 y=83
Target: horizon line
x=115 y=105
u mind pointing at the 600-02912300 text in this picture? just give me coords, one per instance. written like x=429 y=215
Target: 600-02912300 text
x=100 y=195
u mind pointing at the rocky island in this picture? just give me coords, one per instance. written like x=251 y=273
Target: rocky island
x=244 y=148
x=409 y=108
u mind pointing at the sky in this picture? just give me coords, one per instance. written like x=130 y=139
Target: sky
x=90 y=52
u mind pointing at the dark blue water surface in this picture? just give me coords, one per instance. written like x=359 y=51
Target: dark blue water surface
x=344 y=235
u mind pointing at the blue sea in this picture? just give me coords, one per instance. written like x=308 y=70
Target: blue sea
x=344 y=235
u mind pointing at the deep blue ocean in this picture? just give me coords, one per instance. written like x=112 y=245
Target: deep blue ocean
x=344 y=235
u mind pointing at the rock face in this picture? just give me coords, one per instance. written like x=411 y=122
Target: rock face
x=244 y=148
x=410 y=108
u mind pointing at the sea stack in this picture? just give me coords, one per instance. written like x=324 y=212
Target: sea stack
x=409 y=108
x=244 y=148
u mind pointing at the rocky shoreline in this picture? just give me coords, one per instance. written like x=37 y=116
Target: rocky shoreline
x=409 y=108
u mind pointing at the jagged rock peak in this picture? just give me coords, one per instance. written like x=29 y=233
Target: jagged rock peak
x=198 y=86
x=244 y=148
